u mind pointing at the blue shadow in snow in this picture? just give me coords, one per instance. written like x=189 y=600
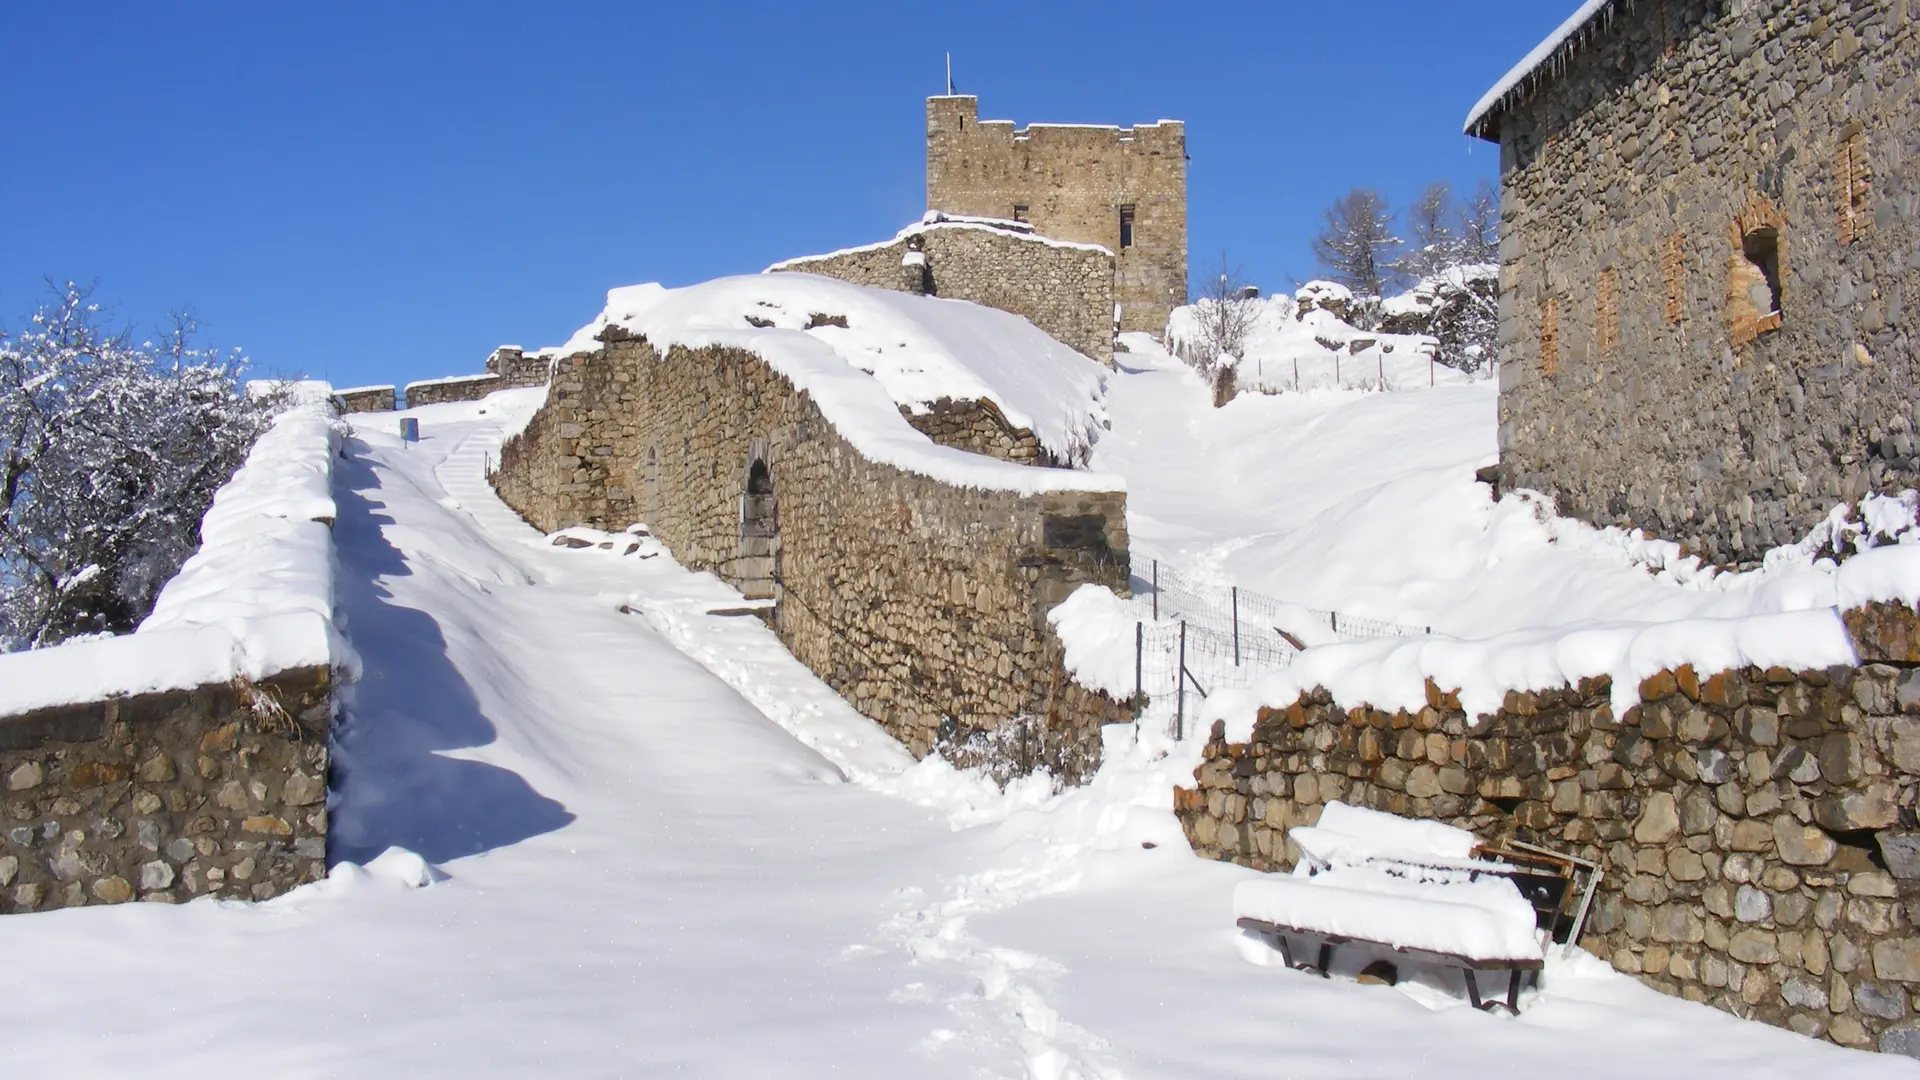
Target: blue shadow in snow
x=392 y=787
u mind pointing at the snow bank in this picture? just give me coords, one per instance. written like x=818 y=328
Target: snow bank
x=937 y=219
x=1881 y=575
x=1391 y=673
x=1096 y=631
x=1295 y=344
x=897 y=350
x=255 y=600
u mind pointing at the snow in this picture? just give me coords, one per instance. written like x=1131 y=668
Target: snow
x=1485 y=919
x=1380 y=833
x=897 y=350
x=368 y=389
x=1096 y=632
x=1542 y=53
x=583 y=826
x=938 y=220
x=1295 y=346
x=453 y=379
x=255 y=600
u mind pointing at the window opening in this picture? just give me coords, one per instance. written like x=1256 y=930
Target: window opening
x=1126 y=226
x=759 y=534
x=1019 y=212
x=1762 y=249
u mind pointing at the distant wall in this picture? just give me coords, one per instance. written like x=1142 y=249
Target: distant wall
x=1073 y=182
x=1745 y=820
x=166 y=796
x=365 y=399
x=457 y=388
x=923 y=604
x=1064 y=289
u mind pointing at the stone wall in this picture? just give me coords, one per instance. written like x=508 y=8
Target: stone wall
x=979 y=427
x=1066 y=291
x=1642 y=382
x=364 y=399
x=923 y=604
x=457 y=388
x=1072 y=182
x=166 y=796
x=515 y=368
x=1746 y=822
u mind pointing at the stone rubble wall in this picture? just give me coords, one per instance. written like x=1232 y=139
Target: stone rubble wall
x=1067 y=292
x=1626 y=179
x=365 y=399
x=165 y=797
x=923 y=604
x=464 y=388
x=1746 y=822
x=978 y=427
x=515 y=368
x=1073 y=180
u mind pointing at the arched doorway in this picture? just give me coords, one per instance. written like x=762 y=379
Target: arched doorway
x=759 y=534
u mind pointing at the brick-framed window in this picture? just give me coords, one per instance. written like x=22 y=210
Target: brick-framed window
x=1606 y=311
x=1126 y=226
x=1853 y=182
x=1756 y=270
x=1673 y=274
x=1549 y=335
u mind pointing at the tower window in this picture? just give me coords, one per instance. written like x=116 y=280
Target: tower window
x=1762 y=249
x=1019 y=212
x=1126 y=226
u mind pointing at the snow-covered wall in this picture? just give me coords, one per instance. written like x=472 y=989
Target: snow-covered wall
x=919 y=596
x=189 y=757
x=1065 y=289
x=1752 y=813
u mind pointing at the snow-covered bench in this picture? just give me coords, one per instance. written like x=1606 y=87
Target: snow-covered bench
x=1418 y=889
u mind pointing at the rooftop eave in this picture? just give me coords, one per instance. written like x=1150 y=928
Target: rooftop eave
x=1545 y=62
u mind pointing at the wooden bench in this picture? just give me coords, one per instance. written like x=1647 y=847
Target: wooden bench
x=1420 y=890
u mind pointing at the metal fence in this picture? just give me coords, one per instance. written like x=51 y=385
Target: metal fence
x=1195 y=637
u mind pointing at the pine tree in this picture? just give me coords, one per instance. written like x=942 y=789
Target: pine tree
x=1433 y=246
x=1357 y=245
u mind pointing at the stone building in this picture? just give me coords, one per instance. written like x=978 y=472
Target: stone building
x=1062 y=287
x=1124 y=189
x=909 y=563
x=1709 y=222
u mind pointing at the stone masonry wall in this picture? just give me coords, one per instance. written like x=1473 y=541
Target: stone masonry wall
x=1073 y=182
x=923 y=604
x=458 y=388
x=1065 y=291
x=1746 y=821
x=1640 y=384
x=365 y=399
x=165 y=797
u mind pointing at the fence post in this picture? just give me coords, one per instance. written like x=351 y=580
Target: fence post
x=1139 y=651
x=1333 y=617
x=1236 y=626
x=1156 y=590
x=1180 y=681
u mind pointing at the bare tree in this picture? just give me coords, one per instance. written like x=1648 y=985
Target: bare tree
x=1356 y=245
x=1225 y=312
x=1479 y=239
x=1433 y=245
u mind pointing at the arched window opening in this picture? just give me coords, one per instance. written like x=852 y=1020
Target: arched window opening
x=1762 y=250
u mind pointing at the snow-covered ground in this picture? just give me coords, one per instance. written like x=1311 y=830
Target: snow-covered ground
x=655 y=844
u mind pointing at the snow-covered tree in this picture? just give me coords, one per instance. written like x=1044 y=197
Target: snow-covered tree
x=1479 y=234
x=1356 y=245
x=110 y=452
x=1432 y=245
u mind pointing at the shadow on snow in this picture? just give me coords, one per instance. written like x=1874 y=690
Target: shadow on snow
x=392 y=786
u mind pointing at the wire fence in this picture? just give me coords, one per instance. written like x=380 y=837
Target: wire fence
x=1195 y=637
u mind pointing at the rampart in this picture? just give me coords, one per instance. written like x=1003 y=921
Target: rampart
x=1707 y=249
x=365 y=399
x=167 y=796
x=922 y=603
x=508 y=367
x=1064 y=289
x=1755 y=827
x=1124 y=189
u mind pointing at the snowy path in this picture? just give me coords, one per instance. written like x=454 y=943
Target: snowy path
x=648 y=873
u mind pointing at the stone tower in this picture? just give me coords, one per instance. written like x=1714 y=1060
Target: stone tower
x=1122 y=188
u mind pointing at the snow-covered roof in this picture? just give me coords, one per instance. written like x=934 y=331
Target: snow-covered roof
x=940 y=219
x=1543 y=61
x=897 y=350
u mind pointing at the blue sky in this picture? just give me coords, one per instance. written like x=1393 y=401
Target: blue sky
x=376 y=192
